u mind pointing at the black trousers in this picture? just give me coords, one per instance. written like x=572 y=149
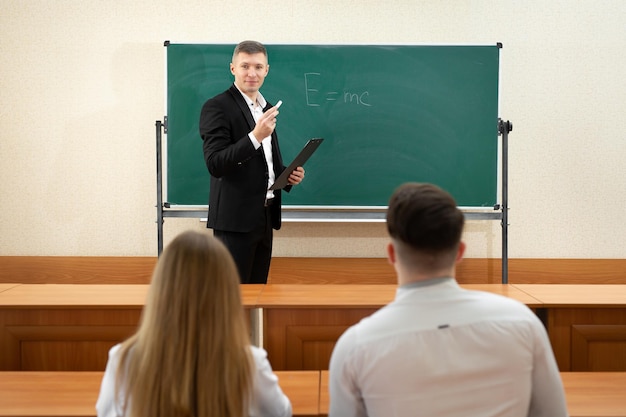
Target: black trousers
x=251 y=251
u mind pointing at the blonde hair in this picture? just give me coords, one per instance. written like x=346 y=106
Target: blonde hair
x=190 y=355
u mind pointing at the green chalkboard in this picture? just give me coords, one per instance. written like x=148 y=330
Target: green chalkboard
x=388 y=113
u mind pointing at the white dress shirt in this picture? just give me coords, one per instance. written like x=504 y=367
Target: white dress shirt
x=268 y=400
x=440 y=350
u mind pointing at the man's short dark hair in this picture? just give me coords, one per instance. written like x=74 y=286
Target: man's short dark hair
x=425 y=219
x=249 y=47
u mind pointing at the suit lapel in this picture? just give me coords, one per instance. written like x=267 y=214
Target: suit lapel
x=243 y=106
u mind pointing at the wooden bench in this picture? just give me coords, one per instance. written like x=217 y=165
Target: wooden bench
x=74 y=394
x=588 y=394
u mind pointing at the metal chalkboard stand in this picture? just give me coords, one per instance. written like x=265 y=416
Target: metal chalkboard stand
x=500 y=211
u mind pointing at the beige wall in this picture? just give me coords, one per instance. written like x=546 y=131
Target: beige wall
x=82 y=84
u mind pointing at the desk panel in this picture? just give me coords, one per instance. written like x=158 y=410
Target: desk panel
x=77 y=339
x=303 y=339
x=588 y=339
x=586 y=324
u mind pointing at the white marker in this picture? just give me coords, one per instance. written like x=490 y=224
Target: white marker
x=280 y=102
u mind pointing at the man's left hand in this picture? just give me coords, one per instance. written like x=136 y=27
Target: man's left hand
x=296 y=176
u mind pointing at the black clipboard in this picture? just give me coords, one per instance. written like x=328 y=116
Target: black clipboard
x=283 y=179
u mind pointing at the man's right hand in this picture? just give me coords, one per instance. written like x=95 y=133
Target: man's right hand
x=266 y=124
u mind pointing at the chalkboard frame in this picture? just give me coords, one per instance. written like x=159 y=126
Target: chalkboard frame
x=343 y=214
x=489 y=177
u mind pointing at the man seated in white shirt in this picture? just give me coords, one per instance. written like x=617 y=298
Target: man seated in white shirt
x=437 y=349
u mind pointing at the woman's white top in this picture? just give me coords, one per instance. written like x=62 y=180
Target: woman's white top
x=268 y=400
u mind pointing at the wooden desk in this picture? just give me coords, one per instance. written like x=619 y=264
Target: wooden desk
x=326 y=296
x=42 y=394
x=595 y=394
x=586 y=324
x=507 y=290
x=74 y=296
x=71 y=327
x=7 y=286
x=303 y=390
x=324 y=393
x=588 y=394
x=102 y=295
x=301 y=323
x=563 y=295
x=362 y=296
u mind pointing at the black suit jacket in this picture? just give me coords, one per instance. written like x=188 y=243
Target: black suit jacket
x=239 y=172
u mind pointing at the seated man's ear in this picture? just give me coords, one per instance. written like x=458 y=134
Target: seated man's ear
x=460 y=252
x=391 y=253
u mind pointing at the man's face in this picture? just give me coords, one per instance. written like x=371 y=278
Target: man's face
x=249 y=71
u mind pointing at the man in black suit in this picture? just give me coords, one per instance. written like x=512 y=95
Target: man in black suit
x=242 y=154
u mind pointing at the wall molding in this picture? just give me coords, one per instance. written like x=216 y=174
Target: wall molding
x=300 y=270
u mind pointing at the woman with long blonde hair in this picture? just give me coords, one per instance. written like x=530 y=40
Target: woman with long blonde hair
x=191 y=355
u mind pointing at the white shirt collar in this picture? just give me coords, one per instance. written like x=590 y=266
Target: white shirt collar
x=260 y=99
x=425 y=283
